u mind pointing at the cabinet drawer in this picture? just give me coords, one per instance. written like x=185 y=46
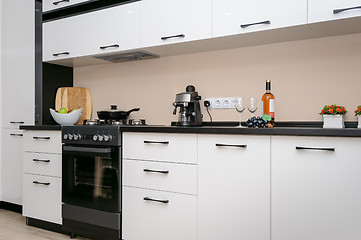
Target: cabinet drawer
x=171 y=177
x=42 y=141
x=42 y=198
x=146 y=219
x=181 y=148
x=42 y=163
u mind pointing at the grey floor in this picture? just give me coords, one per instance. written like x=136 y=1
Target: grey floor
x=13 y=227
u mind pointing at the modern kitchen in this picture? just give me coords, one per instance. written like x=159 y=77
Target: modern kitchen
x=168 y=119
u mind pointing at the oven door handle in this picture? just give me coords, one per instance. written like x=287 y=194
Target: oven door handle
x=86 y=149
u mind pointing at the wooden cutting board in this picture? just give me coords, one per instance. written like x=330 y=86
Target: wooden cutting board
x=75 y=98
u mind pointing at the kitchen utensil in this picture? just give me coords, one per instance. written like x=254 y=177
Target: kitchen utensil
x=114 y=114
x=75 y=98
x=189 y=108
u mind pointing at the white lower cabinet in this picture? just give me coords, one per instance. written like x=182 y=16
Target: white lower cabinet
x=42 y=197
x=316 y=188
x=233 y=187
x=158 y=215
x=42 y=161
x=12 y=167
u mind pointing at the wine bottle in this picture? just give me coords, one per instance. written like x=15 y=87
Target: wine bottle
x=268 y=102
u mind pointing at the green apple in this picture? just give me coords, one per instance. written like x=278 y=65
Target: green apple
x=63 y=110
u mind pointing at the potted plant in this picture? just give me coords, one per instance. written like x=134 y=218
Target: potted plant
x=358 y=114
x=333 y=116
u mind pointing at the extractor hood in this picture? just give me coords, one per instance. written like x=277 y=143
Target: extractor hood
x=127 y=56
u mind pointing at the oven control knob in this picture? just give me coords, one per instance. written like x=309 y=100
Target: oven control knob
x=71 y=136
x=66 y=136
x=107 y=138
x=100 y=138
x=77 y=137
x=95 y=137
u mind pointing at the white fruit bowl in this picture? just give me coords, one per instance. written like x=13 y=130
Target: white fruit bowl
x=66 y=119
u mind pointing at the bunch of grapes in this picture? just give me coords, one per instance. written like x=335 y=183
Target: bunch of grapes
x=257 y=122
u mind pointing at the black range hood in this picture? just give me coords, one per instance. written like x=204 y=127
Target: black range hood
x=81 y=8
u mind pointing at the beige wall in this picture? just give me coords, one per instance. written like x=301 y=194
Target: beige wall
x=305 y=76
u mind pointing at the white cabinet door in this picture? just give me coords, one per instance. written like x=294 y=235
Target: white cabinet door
x=234 y=16
x=173 y=21
x=49 y=5
x=99 y=32
x=18 y=60
x=42 y=198
x=316 y=189
x=12 y=167
x=233 y=187
x=326 y=10
x=146 y=218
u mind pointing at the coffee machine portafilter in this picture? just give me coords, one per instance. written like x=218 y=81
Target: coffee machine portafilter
x=189 y=108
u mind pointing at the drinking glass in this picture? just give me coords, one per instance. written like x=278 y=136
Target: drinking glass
x=240 y=107
x=252 y=105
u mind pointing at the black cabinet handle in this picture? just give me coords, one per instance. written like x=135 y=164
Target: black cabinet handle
x=62 y=53
x=156 y=171
x=110 y=46
x=231 y=145
x=56 y=3
x=155 y=200
x=175 y=36
x=42 y=183
x=16 y=134
x=156 y=142
x=345 y=9
x=315 y=149
x=41 y=160
x=43 y=138
x=257 y=23
x=16 y=122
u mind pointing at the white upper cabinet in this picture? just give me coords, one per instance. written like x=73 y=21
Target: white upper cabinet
x=326 y=10
x=49 y=5
x=174 y=21
x=240 y=16
x=99 y=32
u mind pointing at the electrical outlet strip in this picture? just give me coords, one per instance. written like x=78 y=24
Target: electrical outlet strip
x=223 y=103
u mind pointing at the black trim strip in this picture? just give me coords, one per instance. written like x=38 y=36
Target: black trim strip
x=11 y=207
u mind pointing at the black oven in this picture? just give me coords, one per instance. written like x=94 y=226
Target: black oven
x=92 y=177
x=91 y=181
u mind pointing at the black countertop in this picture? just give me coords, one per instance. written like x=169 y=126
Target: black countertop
x=283 y=128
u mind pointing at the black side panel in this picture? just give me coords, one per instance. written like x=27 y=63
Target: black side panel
x=90 y=231
x=54 y=76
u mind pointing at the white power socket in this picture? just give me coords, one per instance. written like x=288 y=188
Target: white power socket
x=225 y=102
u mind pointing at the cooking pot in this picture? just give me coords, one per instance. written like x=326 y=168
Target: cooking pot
x=114 y=114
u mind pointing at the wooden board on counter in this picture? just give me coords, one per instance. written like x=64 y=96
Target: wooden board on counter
x=75 y=98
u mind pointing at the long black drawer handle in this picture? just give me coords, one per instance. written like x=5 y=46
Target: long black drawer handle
x=231 y=145
x=257 y=23
x=41 y=160
x=175 y=36
x=42 y=183
x=156 y=142
x=62 y=53
x=345 y=9
x=16 y=122
x=155 y=200
x=316 y=149
x=155 y=171
x=43 y=138
x=110 y=46
x=16 y=134
x=56 y=3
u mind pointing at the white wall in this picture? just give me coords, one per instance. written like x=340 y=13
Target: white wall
x=305 y=76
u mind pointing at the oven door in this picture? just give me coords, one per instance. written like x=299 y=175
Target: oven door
x=91 y=177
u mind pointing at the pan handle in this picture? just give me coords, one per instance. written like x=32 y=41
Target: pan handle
x=133 y=110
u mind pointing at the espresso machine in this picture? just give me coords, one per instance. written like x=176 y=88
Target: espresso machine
x=189 y=108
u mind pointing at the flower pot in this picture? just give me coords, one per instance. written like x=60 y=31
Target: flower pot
x=359 y=121
x=333 y=121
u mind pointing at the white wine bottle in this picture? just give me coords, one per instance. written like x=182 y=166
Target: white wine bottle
x=268 y=102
